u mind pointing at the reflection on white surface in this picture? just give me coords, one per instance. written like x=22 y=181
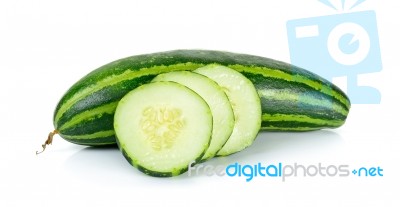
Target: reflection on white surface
x=91 y=164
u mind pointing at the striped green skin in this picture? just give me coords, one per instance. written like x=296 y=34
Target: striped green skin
x=293 y=99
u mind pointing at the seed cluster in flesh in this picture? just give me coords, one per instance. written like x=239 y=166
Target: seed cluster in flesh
x=161 y=125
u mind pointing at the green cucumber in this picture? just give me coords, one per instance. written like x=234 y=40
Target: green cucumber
x=212 y=93
x=245 y=104
x=162 y=127
x=292 y=99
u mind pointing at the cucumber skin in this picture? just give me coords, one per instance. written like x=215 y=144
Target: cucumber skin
x=150 y=172
x=109 y=83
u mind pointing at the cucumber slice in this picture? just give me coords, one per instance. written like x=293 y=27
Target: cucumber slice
x=212 y=93
x=162 y=127
x=245 y=103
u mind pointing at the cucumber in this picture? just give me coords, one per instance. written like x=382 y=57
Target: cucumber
x=212 y=93
x=292 y=99
x=162 y=127
x=245 y=103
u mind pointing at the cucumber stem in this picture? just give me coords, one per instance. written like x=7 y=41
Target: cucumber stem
x=48 y=141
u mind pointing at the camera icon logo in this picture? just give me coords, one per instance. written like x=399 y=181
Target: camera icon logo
x=341 y=45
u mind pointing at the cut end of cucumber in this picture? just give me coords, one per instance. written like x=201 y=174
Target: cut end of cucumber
x=245 y=103
x=213 y=94
x=162 y=127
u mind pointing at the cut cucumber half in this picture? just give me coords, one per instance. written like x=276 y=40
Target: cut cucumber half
x=162 y=127
x=245 y=103
x=212 y=93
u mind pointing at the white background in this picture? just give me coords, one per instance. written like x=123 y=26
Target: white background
x=45 y=46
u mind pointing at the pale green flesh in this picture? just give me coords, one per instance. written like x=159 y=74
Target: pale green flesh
x=245 y=104
x=146 y=103
x=212 y=93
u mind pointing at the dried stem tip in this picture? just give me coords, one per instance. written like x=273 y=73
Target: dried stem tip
x=48 y=141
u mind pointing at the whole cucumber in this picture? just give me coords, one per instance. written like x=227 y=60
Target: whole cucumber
x=292 y=99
